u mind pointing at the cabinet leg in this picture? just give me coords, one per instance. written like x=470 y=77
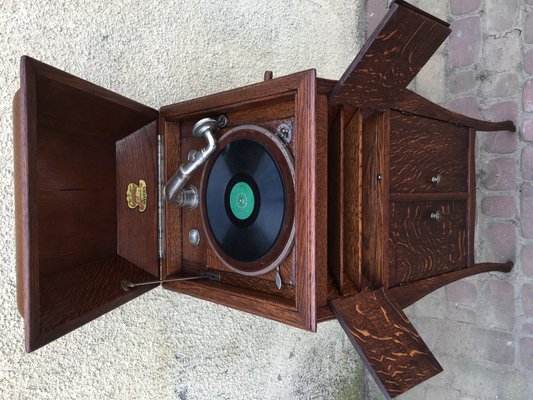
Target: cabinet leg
x=407 y=294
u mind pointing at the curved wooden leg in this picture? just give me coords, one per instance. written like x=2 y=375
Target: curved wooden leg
x=406 y=295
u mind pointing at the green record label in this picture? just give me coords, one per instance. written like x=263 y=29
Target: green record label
x=241 y=200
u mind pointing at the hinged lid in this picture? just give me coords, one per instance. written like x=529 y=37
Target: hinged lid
x=86 y=200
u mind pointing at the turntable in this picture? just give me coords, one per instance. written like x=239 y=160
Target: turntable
x=298 y=199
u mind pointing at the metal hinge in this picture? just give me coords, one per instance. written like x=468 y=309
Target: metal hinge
x=160 y=201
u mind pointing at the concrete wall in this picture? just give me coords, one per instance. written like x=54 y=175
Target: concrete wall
x=165 y=345
x=481 y=328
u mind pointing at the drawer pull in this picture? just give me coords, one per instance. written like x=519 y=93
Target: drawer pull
x=436 y=180
x=436 y=216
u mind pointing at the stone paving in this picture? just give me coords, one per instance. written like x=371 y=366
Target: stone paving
x=481 y=328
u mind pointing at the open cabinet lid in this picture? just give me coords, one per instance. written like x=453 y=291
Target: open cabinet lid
x=77 y=148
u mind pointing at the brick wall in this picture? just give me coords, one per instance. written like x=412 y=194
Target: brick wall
x=481 y=328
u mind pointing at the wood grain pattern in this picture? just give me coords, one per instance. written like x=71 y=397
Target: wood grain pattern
x=408 y=294
x=375 y=199
x=136 y=158
x=420 y=247
x=353 y=195
x=257 y=283
x=321 y=200
x=336 y=198
x=387 y=342
x=66 y=178
x=399 y=47
x=84 y=292
x=172 y=260
x=266 y=115
x=307 y=157
x=20 y=225
x=262 y=99
x=421 y=149
x=413 y=103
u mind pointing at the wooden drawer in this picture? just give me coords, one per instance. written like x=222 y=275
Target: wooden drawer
x=426 y=238
x=422 y=150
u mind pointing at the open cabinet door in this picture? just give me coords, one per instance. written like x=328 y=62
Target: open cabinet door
x=77 y=149
x=389 y=345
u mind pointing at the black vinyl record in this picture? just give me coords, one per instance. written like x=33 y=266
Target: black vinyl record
x=245 y=200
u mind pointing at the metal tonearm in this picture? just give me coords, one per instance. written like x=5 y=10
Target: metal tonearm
x=175 y=191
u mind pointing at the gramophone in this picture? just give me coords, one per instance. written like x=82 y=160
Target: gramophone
x=298 y=199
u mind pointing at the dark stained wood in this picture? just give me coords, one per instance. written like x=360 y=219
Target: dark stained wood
x=203 y=254
x=387 y=342
x=256 y=283
x=172 y=258
x=345 y=219
x=397 y=50
x=321 y=200
x=415 y=104
x=265 y=101
x=353 y=199
x=261 y=112
x=375 y=199
x=397 y=197
x=308 y=157
x=84 y=292
x=136 y=158
x=21 y=226
x=407 y=294
x=66 y=194
x=325 y=86
x=336 y=198
x=420 y=247
x=252 y=301
x=421 y=149
x=228 y=101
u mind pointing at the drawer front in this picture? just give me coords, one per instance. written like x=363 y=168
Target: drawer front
x=426 y=238
x=427 y=156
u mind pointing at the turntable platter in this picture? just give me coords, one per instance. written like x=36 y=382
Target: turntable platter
x=248 y=188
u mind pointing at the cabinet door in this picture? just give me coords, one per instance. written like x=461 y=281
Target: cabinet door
x=76 y=146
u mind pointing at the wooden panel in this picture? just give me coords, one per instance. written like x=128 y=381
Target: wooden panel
x=307 y=158
x=309 y=155
x=353 y=194
x=387 y=342
x=84 y=292
x=256 y=283
x=173 y=246
x=336 y=199
x=421 y=149
x=407 y=294
x=21 y=225
x=375 y=199
x=345 y=222
x=137 y=238
x=320 y=167
x=399 y=47
x=65 y=137
x=421 y=247
x=77 y=214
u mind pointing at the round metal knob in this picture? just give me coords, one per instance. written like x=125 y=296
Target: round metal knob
x=436 y=180
x=436 y=216
x=194 y=237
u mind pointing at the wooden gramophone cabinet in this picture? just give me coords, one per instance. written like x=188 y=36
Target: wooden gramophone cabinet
x=383 y=203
